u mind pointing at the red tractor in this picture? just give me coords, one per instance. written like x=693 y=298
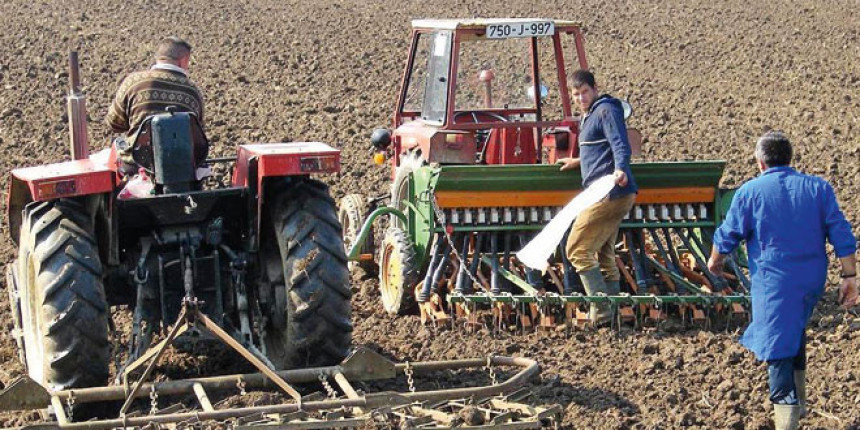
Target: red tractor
x=261 y=256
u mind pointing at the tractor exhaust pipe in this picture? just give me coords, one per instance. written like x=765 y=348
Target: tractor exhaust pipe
x=76 y=104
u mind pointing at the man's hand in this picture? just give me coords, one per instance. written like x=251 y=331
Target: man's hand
x=620 y=178
x=715 y=264
x=848 y=292
x=568 y=163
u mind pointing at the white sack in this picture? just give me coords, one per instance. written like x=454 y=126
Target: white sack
x=536 y=253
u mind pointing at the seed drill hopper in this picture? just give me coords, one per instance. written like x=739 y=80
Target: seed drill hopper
x=257 y=264
x=483 y=115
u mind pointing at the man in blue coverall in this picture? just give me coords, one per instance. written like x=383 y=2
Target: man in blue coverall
x=785 y=218
x=603 y=150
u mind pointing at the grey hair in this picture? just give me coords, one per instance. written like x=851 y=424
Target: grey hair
x=773 y=149
x=172 y=49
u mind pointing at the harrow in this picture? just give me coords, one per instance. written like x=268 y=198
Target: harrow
x=338 y=405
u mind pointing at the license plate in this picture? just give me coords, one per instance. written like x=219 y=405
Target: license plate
x=520 y=29
x=318 y=164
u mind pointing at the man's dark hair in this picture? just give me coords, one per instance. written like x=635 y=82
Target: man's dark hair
x=172 y=49
x=774 y=149
x=582 y=77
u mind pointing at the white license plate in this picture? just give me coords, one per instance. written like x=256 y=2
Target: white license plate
x=521 y=29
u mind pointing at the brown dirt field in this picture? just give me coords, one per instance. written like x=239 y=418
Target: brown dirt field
x=705 y=77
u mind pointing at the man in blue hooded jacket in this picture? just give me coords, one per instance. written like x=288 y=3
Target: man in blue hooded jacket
x=785 y=218
x=603 y=150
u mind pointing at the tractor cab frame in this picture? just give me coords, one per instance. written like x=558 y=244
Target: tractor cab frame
x=468 y=91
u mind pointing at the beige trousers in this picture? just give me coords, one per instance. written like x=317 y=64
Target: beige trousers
x=593 y=236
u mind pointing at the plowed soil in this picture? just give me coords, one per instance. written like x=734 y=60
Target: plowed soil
x=705 y=77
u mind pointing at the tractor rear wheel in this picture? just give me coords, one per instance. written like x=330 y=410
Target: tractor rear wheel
x=64 y=313
x=307 y=261
x=398 y=271
x=351 y=214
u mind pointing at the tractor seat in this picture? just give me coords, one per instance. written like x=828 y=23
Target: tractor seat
x=171 y=146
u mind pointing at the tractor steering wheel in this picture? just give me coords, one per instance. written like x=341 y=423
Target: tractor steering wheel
x=476 y=113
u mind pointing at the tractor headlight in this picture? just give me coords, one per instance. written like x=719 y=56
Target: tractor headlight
x=381 y=139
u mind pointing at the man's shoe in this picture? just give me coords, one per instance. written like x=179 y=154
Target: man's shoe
x=786 y=417
x=800 y=389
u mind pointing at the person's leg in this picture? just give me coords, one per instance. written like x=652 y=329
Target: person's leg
x=606 y=253
x=583 y=241
x=582 y=246
x=781 y=381
x=799 y=365
x=590 y=249
x=606 y=259
x=786 y=410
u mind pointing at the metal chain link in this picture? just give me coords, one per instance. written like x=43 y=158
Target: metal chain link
x=441 y=216
x=240 y=384
x=408 y=371
x=490 y=369
x=70 y=406
x=332 y=394
x=153 y=402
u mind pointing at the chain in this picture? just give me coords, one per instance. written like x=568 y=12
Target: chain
x=490 y=369
x=153 y=401
x=408 y=371
x=70 y=405
x=332 y=394
x=441 y=216
x=240 y=384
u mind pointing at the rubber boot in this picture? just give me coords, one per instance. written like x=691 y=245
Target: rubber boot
x=613 y=288
x=786 y=417
x=800 y=389
x=592 y=281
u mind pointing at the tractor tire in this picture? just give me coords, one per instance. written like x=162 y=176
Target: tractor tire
x=63 y=311
x=351 y=214
x=398 y=272
x=316 y=329
x=400 y=186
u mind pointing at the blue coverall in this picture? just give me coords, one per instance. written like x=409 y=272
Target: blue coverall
x=785 y=218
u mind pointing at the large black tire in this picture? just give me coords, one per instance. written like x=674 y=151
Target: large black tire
x=398 y=272
x=64 y=314
x=351 y=212
x=317 y=329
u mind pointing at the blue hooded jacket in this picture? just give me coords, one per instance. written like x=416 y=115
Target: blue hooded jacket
x=603 y=144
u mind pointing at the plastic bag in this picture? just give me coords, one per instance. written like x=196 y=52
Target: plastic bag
x=536 y=253
x=140 y=185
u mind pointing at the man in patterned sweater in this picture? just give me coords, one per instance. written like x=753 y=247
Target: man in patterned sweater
x=150 y=92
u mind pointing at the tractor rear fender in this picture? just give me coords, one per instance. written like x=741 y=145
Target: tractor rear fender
x=52 y=181
x=257 y=162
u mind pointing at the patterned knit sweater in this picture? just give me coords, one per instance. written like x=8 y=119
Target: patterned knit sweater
x=148 y=92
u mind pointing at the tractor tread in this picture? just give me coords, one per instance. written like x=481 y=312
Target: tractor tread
x=71 y=310
x=318 y=330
